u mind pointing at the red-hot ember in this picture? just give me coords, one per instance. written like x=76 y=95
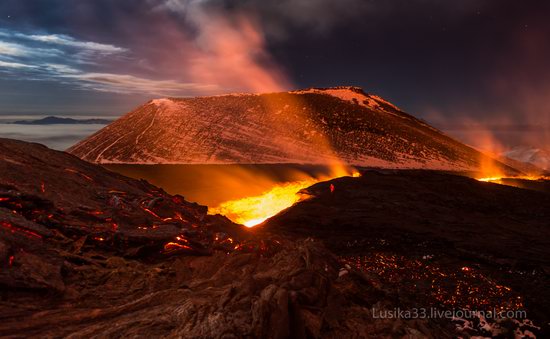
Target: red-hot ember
x=15 y=229
x=70 y=170
x=151 y=212
x=174 y=246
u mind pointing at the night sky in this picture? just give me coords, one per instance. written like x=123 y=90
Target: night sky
x=453 y=63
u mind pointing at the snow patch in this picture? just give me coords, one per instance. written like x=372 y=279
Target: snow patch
x=353 y=95
x=385 y=102
x=532 y=155
x=162 y=102
x=234 y=95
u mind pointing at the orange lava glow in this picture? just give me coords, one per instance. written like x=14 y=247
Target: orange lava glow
x=499 y=179
x=252 y=211
x=491 y=170
x=489 y=179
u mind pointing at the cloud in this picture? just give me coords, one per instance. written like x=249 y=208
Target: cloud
x=65 y=40
x=280 y=18
x=316 y=15
x=77 y=77
x=124 y=83
x=108 y=82
x=177 y=47
x=72 y=61
x=58 y=137
x=12 y=49
x=60 y=69
x=181 y=6
x=198 y=51
x=185 y=43
x=17 y=65
x=37 y=48
x=277 y=17
x=188 y=47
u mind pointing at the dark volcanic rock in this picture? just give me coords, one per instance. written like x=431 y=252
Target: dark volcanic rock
x=52 y=188
x=88 y=253
x=449 y=241
x=85 y=252
x=55 y=207
x=295 y=293
x=494 y=219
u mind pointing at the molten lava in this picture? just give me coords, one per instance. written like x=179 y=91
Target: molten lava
x=525 y=182
x=499 y=179
x=489 y=179
x=252 y=211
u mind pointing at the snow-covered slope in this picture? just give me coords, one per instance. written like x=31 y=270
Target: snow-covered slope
x=531 y=155
x=307 y=126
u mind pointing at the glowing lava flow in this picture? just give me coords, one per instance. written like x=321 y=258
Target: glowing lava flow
x=252 y=211
x=500 y=178
x=489 y=179
x=517 y=181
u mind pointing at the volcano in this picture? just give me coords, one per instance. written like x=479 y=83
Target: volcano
x=312 y=126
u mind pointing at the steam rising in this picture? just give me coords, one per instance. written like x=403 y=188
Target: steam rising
x=230 y=37
x=228 y=51
x=233 y=54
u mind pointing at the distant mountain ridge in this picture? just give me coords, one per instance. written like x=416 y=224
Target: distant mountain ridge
x=53 y=120
x=314 y=125
x=539 y=157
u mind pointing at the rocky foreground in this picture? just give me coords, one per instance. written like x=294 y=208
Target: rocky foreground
x=86 y=252
x=443 y=240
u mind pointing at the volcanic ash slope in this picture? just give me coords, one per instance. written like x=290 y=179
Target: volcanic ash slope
x=309 y=126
